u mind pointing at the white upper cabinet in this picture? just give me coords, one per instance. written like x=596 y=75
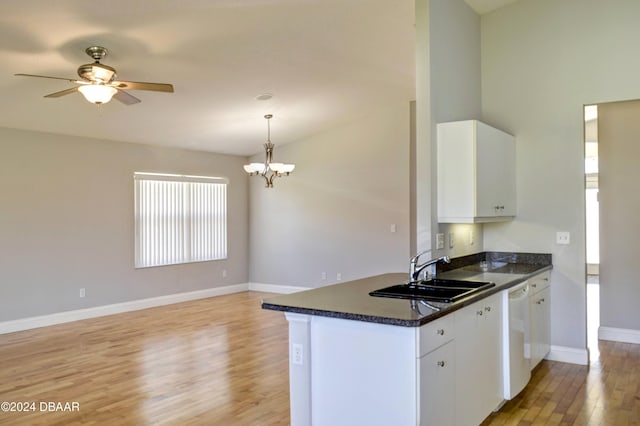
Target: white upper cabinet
x=476 y=173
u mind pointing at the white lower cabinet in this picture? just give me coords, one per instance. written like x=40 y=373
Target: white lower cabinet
x=436 y=367
x=437 y=386
x=478 y=360
x=447 y=372
x=539 y=318
x=461 y=378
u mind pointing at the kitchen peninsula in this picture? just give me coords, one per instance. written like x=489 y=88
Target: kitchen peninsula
x=359 y=359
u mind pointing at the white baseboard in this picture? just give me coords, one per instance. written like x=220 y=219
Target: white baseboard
x=571 y=355
x=274 y=288
x=624 y=335
x=116 y=308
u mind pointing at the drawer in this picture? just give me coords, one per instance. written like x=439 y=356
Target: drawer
x=539 y=282
x=435 y=334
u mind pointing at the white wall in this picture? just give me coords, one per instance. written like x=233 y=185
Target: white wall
x=542 y=60
x=619 y=151
x=448 y=89
x=455 y=61
x=334 y=213
x=66 y=222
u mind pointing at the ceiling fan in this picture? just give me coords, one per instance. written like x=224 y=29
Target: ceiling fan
x=98 y=82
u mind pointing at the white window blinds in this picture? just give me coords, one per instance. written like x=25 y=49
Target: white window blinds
x=179 y=219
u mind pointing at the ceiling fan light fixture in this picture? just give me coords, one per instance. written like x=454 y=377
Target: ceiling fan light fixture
x=103 y=73
x=97 y=93
x=98 y=82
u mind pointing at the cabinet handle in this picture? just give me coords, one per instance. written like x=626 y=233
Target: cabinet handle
x=440 y=363
x=545 y=279
x=540 y=301
x=479 y=313
x=440 y=332
x=487 y=308
x=534 y=285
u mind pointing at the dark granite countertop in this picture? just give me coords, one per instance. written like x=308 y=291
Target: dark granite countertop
x=351 y=300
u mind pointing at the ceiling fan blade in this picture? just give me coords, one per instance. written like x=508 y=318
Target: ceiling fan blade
x=126 y=98
x=47 y=76
x=62 y=93
x=138 y=85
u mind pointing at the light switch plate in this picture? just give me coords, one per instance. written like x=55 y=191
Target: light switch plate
x=439 y=241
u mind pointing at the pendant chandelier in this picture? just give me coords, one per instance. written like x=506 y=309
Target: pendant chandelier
x=268 y=170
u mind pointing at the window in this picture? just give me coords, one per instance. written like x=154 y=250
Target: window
x=179 y=219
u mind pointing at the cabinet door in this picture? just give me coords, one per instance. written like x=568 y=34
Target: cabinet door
x=469 y=364
x=539 y=282
x=435 y=334
x=492 y=334
x=540 y=325
x=456 y=171
x=495 y=175
x=478 y=360
x=437 y=386
x=476 y=173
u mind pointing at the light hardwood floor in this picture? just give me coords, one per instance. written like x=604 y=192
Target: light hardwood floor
x=224 y=361
x=605 y=393
x=216 y=361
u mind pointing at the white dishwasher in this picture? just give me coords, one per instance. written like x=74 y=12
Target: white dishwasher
x=517 y=371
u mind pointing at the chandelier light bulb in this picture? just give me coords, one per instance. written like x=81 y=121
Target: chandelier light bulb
x=254 y=168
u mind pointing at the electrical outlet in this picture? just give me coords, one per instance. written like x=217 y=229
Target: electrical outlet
x=393 y=228
x=224 y=273
x=563 y=237
x=439 y=241
x=339 y=276
x=472 y=239
x=451 y=240
x=323 y=275
x=82 y=292
x=296 y=354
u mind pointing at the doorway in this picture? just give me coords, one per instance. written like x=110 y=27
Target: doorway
x=593 y=226
x=618 y=126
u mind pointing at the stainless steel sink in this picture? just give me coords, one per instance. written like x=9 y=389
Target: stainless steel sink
x=435 y=290
x=443 y=282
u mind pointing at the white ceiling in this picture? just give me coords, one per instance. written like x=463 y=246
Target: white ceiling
x=325 y=61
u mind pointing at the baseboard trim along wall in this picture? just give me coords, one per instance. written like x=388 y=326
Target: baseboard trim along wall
x=116 y=308
x=566 y=354
x=623 y=335
x=274 y=288
x=135 y=305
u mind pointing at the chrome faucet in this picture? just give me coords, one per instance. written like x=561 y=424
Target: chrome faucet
x=415 y=269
